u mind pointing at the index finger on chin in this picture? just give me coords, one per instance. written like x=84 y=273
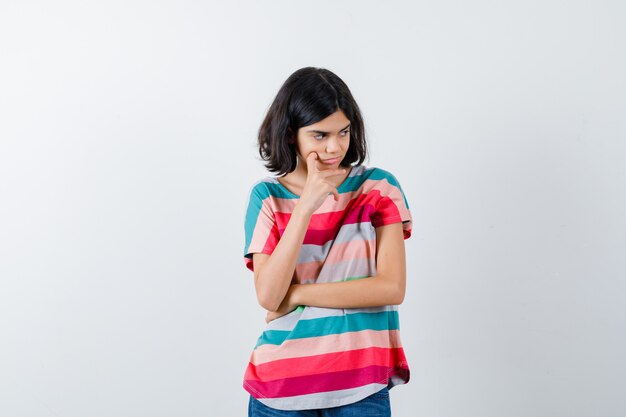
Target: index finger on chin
x=312 y=161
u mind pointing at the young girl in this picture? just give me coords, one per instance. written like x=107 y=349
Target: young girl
x=325 y=240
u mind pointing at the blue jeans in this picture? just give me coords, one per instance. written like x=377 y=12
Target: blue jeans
x=376 y=405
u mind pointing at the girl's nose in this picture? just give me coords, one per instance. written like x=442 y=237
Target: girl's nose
x=332 y=144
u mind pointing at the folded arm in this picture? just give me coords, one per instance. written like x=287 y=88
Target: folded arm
x=387 y=287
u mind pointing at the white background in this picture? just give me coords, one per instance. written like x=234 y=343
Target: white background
x=127 y=149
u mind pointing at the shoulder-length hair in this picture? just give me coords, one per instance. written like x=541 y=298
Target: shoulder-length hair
x=309 y=95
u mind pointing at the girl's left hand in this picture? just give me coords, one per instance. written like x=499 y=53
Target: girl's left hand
x=273 y=315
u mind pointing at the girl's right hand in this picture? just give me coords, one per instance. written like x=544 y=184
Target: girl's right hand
x=317 y=186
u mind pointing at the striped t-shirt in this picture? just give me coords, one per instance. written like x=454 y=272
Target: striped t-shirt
x=327 y=357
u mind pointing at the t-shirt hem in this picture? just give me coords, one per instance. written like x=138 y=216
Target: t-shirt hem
x=395 y=219
x=248 y=257
x=289 y=405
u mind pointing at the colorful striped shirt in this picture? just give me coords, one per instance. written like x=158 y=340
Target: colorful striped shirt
x=318 y=357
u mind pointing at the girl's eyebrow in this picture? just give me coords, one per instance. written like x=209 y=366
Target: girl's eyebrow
x=322 y=132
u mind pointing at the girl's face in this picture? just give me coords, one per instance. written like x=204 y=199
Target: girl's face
x=330 y=138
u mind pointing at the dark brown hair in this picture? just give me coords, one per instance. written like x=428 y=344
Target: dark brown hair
x=309 y=95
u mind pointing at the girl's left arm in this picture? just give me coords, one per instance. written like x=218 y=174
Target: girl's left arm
x=387 y=287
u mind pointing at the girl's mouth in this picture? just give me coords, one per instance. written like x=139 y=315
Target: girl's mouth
x=332 y=161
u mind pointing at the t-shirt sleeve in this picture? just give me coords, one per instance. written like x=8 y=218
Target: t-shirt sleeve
x=260 y=225
x=392 y=206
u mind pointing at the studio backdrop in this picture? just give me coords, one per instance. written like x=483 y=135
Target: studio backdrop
x=128 y=149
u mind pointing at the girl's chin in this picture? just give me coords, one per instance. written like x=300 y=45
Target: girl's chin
x=324 y=167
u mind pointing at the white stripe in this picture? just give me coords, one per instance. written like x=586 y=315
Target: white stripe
x=323 y=399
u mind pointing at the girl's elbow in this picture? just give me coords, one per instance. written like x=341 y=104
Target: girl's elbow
x=397 y=296
x=400 y=298
x=391 y=292
x=267 y=302
x=264 y=295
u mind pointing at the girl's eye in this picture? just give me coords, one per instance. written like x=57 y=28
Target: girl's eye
x=321 y=136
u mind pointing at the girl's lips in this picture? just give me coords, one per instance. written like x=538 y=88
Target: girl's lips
x=332 y=161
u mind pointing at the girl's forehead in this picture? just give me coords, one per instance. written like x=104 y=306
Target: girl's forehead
x=336 y=121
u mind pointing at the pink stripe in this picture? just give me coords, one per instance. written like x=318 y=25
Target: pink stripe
x=307 y=272
x=326 y=344
x=352 y=250
x=333 y=381
x=286 y=205
x=259 y=236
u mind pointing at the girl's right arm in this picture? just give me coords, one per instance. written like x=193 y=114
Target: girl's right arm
x=273 y=273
